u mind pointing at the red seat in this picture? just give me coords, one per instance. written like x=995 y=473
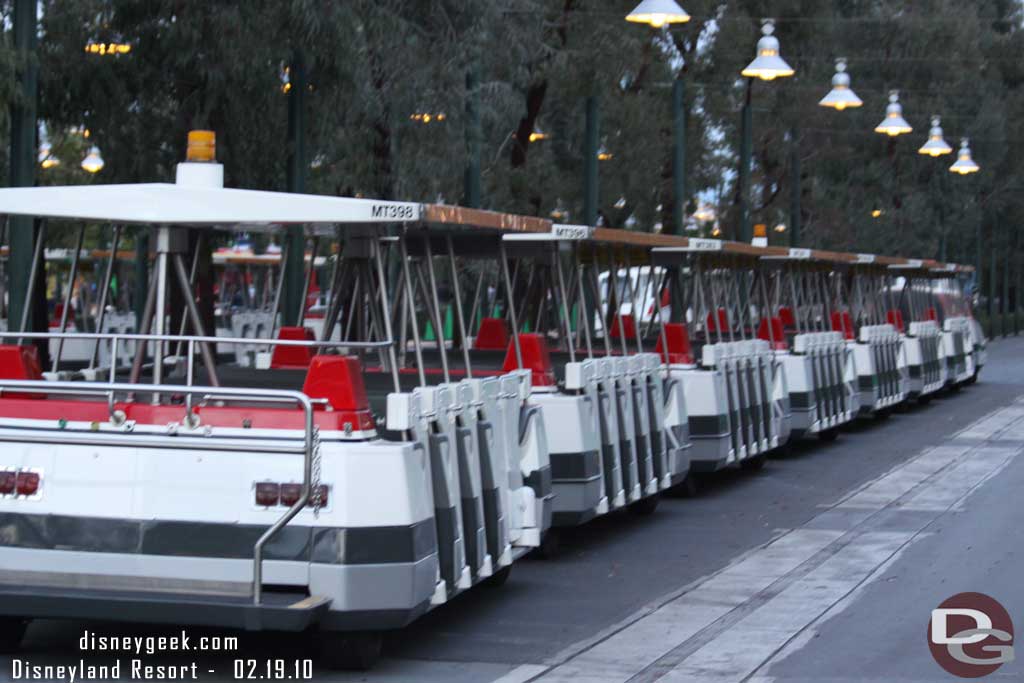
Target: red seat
x=535 y=358
x=895 y=318
x=493 y=335
x=787 y=317
x=775 y=334
x=20 y=363
x=339 y=379
x=842 y=322
x=679 y=350
x=930 y=314
x=293 y=356
x=628 y=326
x=722 y=322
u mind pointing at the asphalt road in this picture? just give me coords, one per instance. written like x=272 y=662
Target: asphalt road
x=715 y=587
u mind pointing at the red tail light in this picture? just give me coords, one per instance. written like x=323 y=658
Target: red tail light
x=290 y=494
x=27 y=483
x=7 y=482
x=267 y=494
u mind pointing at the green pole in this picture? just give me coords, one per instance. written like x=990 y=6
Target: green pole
x=590 y=162
x=746 y=152
x=794 y=187
x=294 y=275
x=678 y=155
x=23 y=160
x=141 y=275
x=471 y=179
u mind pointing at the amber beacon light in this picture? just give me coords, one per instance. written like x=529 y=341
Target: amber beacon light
x=202 y=146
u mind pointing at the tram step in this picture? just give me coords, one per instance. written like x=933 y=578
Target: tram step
x=277 y=611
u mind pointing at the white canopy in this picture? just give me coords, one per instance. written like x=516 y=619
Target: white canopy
x=170 y=204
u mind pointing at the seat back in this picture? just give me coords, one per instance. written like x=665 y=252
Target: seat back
x=679 y=349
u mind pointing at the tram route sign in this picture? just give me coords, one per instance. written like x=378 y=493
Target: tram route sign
x=394 y=211
x=703 y=244
x=799 y=253
x=865 y=258
x=572 y=232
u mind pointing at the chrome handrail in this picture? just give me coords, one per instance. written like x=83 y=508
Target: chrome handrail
x=109 y=388
x=194 y=338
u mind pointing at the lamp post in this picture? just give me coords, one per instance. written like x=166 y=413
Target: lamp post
x=767 y=66
x=293 y=270
x=658 y=14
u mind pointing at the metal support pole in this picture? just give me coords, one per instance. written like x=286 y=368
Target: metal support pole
x=141 y=293
x=33 y=276
x=197 y=319
x=433 y=299
x=67 y=297
x=104 y=291
x=382 y=289
x=410 y=301
x=160 y=318
x=276 y=306
x=23 y=159
x=678 y=155
x=293 y=269
x=471 y=178
x=460 y=320
x=307 y=283
x=590 y=147
x=746 y=152
x=511 y=305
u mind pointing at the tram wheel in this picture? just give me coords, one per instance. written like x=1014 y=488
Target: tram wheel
x=645 y=506
x=924 y=399
x=755 y=463
x=828 y=435
x=498 y=578
x=12 y=630
x=352 y=651
x=550 y=545
x=687 y=488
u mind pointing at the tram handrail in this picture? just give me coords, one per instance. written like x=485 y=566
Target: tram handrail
x=111 y=388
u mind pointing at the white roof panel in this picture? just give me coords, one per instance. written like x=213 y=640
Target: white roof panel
x=169 y=204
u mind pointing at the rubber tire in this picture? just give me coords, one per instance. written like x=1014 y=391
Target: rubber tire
x=829 y=435
x=498 y=578
x=12 y=631
x=753 y=464
x=924 y=399
x=550 y=545
x=350 y=650
x=645 y=506
x=687 y=488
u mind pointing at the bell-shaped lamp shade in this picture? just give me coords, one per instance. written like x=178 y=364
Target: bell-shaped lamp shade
x=93 y=162
x=658 y=13
x=964 y=163
x=936 y=145
x=894 y=124
x=768 y=65
x=840 y=97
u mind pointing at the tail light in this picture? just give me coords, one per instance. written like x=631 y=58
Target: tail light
x=27 y=483
x=7 y=482
x=267 y=494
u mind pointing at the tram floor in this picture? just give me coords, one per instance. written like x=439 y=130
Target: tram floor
x=612 y=574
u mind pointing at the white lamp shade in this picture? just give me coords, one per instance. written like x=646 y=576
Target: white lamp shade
x=936 y=145
x=658 y=13
x=893 y=124
x=93 y=162
x=841 y=97
x=964 y=163
x=768 y=65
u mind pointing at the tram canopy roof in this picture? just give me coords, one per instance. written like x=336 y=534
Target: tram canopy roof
x=173 y=204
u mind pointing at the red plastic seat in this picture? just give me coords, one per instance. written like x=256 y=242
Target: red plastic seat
x=931 y=314
x=679 y=350
x=842 y=322
x=293 y=356
x=895 y=318
x=720 y=325
x=787 y=317
x=535 y=358
x=493 y=335
x=775 y=334
x=20 y=363
x=628 y=326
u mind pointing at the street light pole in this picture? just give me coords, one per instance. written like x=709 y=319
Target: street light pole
x=23 y=159
x=678 y=155
x=293 y=270
x=746 y=145
x=590 y=145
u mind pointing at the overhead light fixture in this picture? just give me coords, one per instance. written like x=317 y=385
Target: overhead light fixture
x=537 y=135
x=894 y=124
x=964 y=163
x=658 y=13
x=768 y=65
x=840 y=96
x=936 y=145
